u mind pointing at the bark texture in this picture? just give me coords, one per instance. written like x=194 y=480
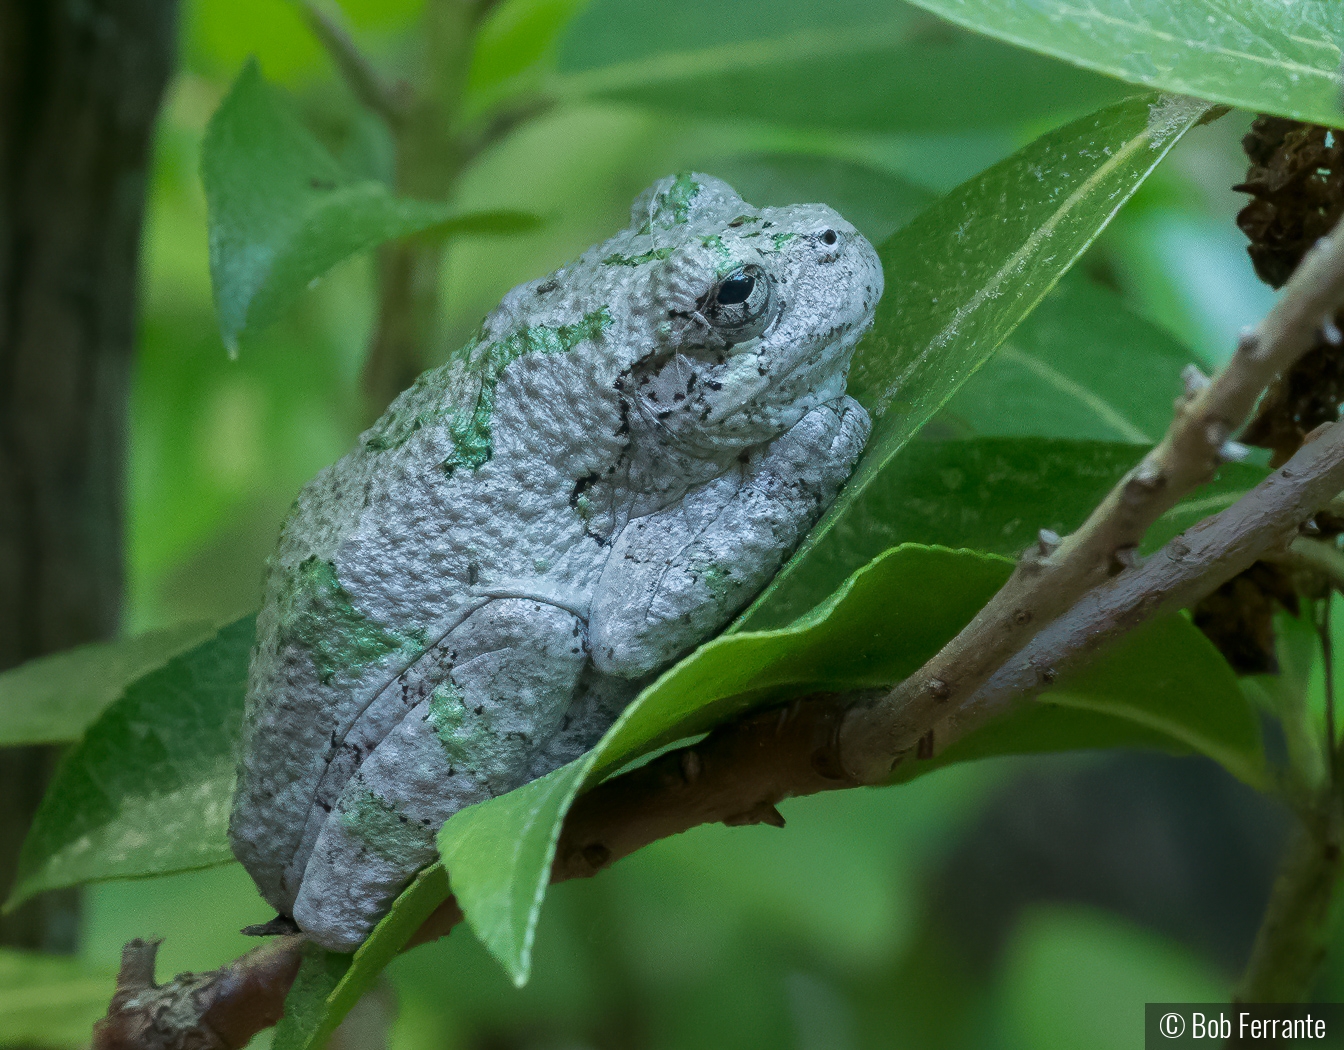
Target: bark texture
x=80 y=85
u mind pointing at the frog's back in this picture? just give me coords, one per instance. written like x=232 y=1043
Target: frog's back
x=386 y=550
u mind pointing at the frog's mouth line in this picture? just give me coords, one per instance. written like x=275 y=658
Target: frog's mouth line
x=841 y=341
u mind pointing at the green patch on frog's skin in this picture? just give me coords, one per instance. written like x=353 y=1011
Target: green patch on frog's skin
x=469 y=425
x=447 y=715
x=397 y=425
x=463 y=741
x=717 y=579
x=781 y=239
x=386 y=830
x=742 y=220
x=655 y=255
x=726 y=260
x=583 y=507
x=315 y=613
x=673 y=205
x=473 y=440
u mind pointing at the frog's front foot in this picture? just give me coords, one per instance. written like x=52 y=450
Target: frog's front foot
x=676 y=576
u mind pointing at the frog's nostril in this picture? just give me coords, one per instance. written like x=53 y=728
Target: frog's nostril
x=829 y=237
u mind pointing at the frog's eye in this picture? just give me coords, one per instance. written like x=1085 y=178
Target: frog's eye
x=738 y=306
x=737 y=289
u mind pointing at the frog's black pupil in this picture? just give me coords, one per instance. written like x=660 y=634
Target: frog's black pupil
x=736 y=289
x=829 y=237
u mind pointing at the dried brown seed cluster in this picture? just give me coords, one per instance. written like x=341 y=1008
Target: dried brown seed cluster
x=1296 y=181
x=1239 y=617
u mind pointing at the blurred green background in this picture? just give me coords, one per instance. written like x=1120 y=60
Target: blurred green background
x=1023 y=903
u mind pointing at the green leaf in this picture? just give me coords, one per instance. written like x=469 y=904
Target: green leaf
x=147 y=790
x=1172 y=660
x=1081 y=366
x=515 y=40
x=330 y=984
x=283 y=211
x=307 y=1006
x=1067 y=973
x=499 y=853
x=1264 y=55
x=50 y=1000
x=877 y=202
x=866 y=65
x=965 y=273
x=51 y=699
x=992 y=494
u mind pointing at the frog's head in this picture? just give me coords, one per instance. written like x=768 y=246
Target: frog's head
x=757 y=311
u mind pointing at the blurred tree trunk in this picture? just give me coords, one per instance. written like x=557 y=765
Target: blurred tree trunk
x=80 y=85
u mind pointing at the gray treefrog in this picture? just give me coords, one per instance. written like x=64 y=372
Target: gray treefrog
x=619 y=459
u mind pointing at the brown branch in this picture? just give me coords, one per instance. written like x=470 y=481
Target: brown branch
x=1052 y=576
x=386 y=99
x=219 y=1010
x=1187 y=569
x=735 y=776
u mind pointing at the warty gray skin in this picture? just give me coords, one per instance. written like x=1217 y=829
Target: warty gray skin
x=619 y=460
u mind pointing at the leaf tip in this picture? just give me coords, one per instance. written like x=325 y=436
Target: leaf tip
x=23 y=890
x=520 y=974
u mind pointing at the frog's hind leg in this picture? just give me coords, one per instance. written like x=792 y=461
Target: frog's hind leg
x=515 y=665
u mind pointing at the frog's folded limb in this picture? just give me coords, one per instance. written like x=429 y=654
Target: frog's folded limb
x=515 y=668
x=676 y=576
